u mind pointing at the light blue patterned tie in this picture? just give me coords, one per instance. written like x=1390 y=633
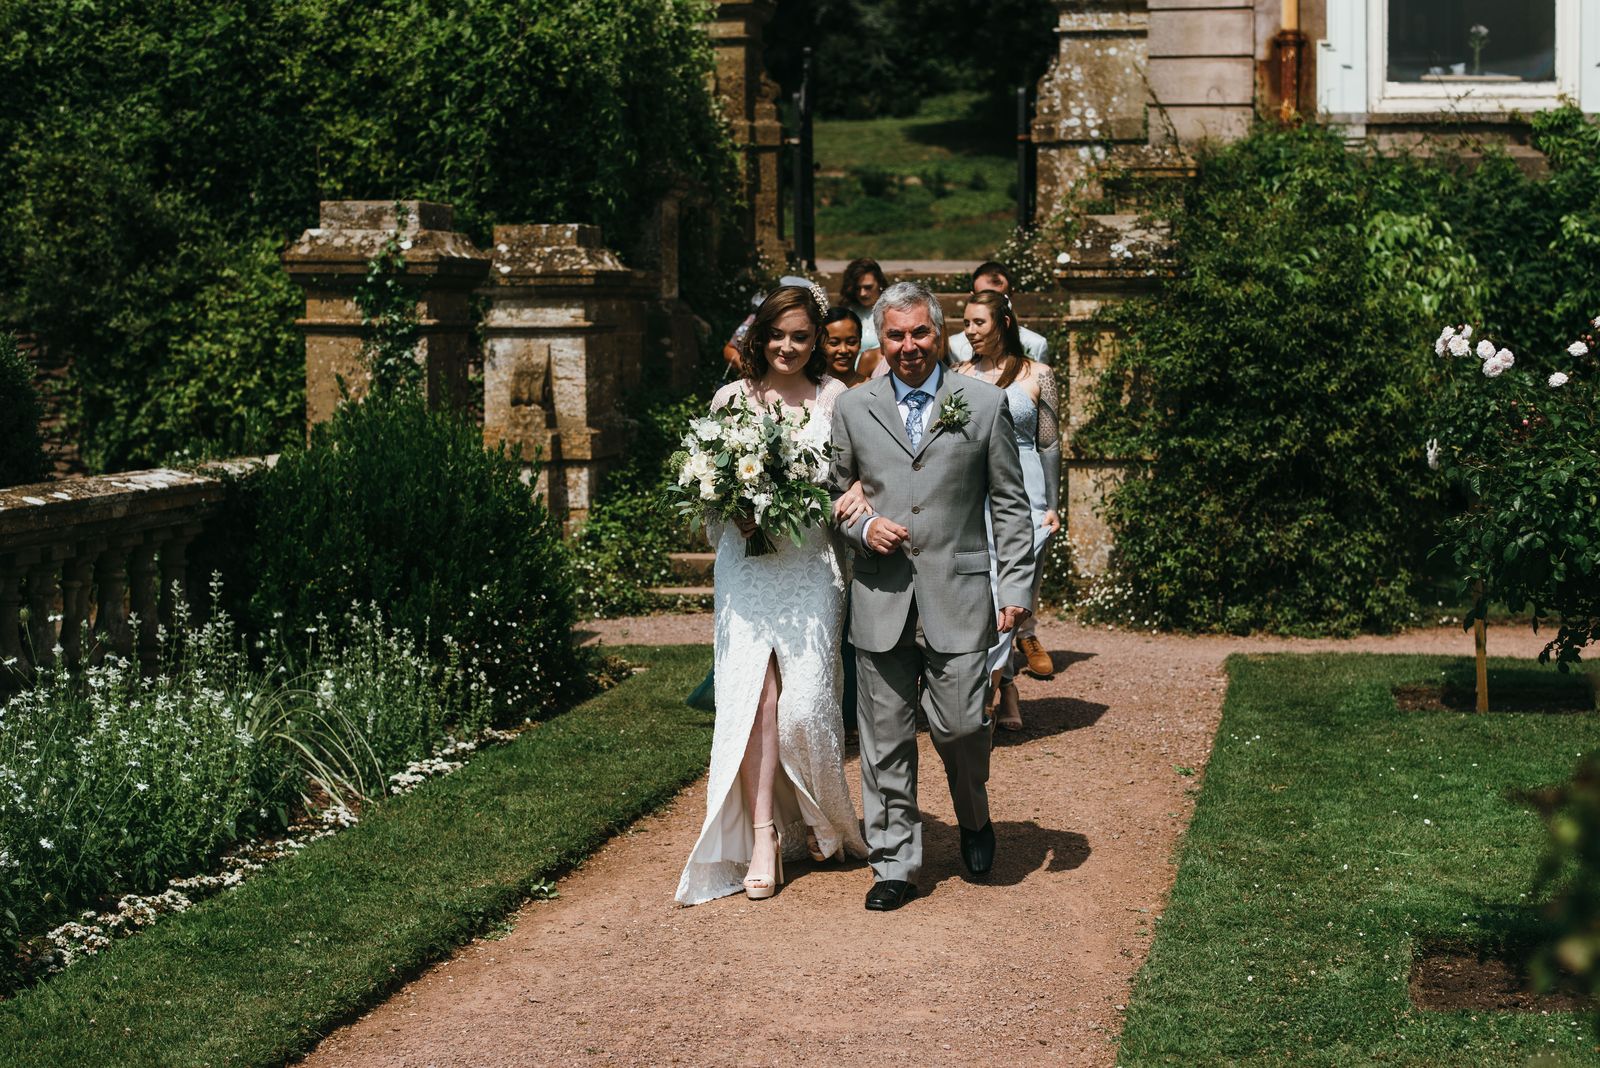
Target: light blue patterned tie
x=914 y=402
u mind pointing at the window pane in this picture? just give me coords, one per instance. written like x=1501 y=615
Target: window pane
x=1472 y=40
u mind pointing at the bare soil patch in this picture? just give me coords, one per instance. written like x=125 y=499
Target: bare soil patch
x=1453 y=979
x=1032 y=966
x=1454 y=697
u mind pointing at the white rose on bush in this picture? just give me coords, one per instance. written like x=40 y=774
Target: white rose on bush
x=1577 y=348
x=1557 y=380
x=1485 y=349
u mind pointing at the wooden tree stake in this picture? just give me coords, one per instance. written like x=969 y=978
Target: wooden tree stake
x=1480 y=636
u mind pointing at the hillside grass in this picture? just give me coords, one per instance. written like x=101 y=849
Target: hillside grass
x=940 y=184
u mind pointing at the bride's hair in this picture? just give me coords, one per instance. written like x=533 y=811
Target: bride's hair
x=784 y=299
x=1012 y=354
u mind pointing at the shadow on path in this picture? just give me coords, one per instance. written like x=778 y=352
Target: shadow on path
x=1045 y=716
x=1022 y=848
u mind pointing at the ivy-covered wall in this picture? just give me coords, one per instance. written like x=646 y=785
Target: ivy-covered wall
x=156 y=158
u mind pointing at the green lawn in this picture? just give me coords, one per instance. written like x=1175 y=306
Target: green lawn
x=938 y=185
x=1332 y=837
x=258 y=974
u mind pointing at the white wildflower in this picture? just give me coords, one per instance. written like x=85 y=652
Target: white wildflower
x=47 y=845
x=1557 y=380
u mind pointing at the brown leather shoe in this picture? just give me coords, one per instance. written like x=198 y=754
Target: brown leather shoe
x=1040 y=666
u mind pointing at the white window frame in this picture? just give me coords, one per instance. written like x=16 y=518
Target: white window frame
x=1386 y=97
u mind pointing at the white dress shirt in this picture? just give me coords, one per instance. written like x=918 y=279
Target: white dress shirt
x=930 y=386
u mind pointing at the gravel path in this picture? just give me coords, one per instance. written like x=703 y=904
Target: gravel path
x=1032 y=966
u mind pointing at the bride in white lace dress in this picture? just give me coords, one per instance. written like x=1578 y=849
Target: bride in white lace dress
x=776 y=787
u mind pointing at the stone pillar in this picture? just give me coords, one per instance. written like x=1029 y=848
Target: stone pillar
x=1091 y=102
x=1113 y=258
x=750 y=103
x=330 y=261
x=564 y=332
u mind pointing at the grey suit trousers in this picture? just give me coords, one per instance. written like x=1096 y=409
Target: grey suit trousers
x=953 y=690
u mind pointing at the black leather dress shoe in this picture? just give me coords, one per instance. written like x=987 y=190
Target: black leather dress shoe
x=889 y=894
x=977 y=849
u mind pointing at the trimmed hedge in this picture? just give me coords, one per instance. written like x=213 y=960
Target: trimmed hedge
x=1280 y=384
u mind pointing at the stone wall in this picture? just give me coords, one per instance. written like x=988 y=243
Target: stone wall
x=331 y=260
x=564 y=330
x=568 y=330
x=106 y=556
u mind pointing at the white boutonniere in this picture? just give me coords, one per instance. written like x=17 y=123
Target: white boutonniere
x=954 y=414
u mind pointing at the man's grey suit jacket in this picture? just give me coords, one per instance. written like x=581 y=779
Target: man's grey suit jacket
x=940 y=493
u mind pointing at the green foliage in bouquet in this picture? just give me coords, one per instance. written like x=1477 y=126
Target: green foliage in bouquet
x=157 y=158
x=753 y=462
x=21 y=452
x=399 y=506
x=1270 y=390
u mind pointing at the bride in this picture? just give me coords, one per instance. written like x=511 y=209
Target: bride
x=776 y=787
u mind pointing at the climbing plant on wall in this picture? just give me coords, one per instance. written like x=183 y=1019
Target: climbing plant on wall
x=156 y=159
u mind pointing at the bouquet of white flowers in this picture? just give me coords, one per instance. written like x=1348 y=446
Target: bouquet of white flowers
x=764 y=463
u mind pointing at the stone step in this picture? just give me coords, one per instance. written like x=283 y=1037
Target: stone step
x=692 y=568
x=681 y=598
x=682 y=591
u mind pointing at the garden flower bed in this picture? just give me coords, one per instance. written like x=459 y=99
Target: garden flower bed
x=327 y=932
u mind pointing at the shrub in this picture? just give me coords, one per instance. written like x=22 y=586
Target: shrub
x=1571 y=866
x=21 y=452
x=1274 y=385
x=397 y=506
x=157 y=157
x=1516 y=434
x=622 y=549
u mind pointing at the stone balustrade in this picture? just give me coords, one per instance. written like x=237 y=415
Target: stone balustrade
x=106 y=556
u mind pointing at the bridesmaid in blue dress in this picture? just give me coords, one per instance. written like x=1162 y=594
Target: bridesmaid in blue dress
x=1031 y=394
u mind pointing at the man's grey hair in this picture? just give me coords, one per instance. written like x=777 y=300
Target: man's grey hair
x=908 y=296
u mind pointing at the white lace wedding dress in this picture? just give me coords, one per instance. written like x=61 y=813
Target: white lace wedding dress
x=789 y=602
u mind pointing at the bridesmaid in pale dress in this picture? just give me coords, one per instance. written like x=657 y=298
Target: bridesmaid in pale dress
x=1031 y=394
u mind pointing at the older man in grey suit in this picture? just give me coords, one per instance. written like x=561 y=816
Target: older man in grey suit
x=933 y=453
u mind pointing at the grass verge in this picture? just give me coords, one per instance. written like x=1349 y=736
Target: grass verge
x=259 y=974
x=1333 y=836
